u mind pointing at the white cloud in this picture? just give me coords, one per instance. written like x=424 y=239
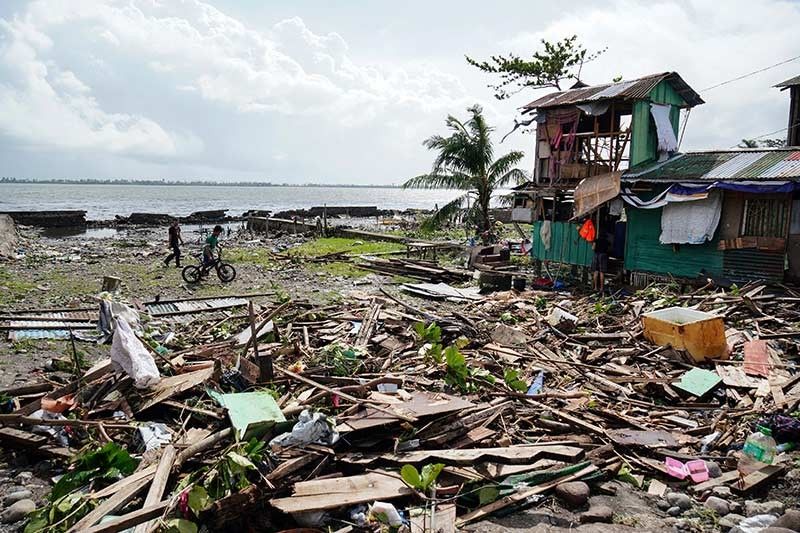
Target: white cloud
x=190 y=48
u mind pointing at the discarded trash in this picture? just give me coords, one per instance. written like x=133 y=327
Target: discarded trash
x=152 y=436
x=129 y=354
x=698 y=381
x=310 y=428
x=251 y=413
x=758 y=451
x=387 y=513
x=696 y=469
x=701 y=334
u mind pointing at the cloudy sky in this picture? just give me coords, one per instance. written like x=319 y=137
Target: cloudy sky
x=340 y=92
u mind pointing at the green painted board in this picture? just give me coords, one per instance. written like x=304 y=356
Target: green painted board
x=251 y=413
x=566 y=245
x=644 y=252
x=698 y=381
x=643 y=140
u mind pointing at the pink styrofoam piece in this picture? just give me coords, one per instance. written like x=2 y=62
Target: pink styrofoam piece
x=675 y=468
x=698 y=470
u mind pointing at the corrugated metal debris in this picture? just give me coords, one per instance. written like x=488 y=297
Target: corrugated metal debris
x=637 y=89
x=193 y=306
x=730 y=165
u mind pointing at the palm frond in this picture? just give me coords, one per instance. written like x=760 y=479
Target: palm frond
x=439 y=181
x=514 y=176
x=445 y=214
x=504 y=163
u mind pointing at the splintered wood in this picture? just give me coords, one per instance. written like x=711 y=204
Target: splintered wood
x=489 y=390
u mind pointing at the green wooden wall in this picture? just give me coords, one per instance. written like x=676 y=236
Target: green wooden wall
x=644 y=253
x=643 y=141
x=566 y=246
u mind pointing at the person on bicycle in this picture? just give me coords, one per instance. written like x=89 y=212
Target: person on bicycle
x=211 y=245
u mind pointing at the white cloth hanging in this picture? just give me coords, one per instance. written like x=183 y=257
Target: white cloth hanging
x=691 y=222
x=667 y=142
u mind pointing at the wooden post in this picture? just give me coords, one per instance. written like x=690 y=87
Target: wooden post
x=324 y=220
x=253 y=331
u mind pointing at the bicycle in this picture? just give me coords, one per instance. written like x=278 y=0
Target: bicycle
x=194 y=273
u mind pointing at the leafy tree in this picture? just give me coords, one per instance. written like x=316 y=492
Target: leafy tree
x=765 y=143
x=466 y=162
x=561 y=60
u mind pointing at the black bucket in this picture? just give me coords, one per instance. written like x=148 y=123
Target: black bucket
x=519 y=284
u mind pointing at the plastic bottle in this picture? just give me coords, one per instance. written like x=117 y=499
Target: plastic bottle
x=758 y=451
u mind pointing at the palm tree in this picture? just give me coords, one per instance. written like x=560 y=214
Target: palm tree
x=466 y=162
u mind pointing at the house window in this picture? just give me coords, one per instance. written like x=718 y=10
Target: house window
x=765 y=218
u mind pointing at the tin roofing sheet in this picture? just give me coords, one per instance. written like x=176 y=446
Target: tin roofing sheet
x=723 y=165
x=637 y=89
x=790 y=82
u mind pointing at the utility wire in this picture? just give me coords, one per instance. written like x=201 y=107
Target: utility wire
x=750 y=74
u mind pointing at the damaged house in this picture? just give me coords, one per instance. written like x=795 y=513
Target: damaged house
x=585 y=138
x=726 y=214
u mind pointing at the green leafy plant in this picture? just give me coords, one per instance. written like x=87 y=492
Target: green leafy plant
x=421 y=481
x=344 y=360
x=508 y=318
x=430 y=333
x=179 y=525
x=68 y=503
x=461 y=375
x=512 y=379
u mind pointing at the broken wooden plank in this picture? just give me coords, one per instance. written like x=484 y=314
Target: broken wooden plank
x=114 y=503
x=341 y=492
x=130 y=520
x=757 y=478
x=508 y=454
x=159 y=483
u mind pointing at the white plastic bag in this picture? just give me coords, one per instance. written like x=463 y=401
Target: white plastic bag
x=310 y=428
x=129 y=354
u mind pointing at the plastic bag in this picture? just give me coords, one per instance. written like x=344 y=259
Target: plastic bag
x=587 y=231
x=129 y=354
x=310 y=428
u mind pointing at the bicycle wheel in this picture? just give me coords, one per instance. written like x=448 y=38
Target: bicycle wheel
x=226 y=272
x=191 y=274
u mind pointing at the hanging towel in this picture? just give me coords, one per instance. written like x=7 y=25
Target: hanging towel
x=691 y=222
x=545 y=233
x=667 y=142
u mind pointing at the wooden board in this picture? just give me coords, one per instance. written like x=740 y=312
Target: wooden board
x=509 y=454
x=421 y=404
x=651 y=438
x=439 y=520
x=173 y=385
x=342 y=492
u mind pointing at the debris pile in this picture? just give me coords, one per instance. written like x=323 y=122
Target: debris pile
x=378 y=413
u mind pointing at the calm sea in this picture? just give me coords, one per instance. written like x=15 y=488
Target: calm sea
x=103 y=202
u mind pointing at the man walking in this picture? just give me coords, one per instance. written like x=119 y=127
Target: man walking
x=175 y=242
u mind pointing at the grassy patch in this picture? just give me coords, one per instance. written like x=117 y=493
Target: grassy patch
x=12 y=288
x=330 y=245
x=256 y=256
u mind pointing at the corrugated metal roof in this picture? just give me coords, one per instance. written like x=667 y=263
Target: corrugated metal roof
x=193 y=306
x=637 y=89
x=36 y=334
x=790 y=82
x=730 y=165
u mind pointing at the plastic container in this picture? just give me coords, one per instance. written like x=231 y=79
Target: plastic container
x=759 y=450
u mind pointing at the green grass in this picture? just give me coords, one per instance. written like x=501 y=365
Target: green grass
x=256 y=256
x=330 y=245
x=12 y=289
